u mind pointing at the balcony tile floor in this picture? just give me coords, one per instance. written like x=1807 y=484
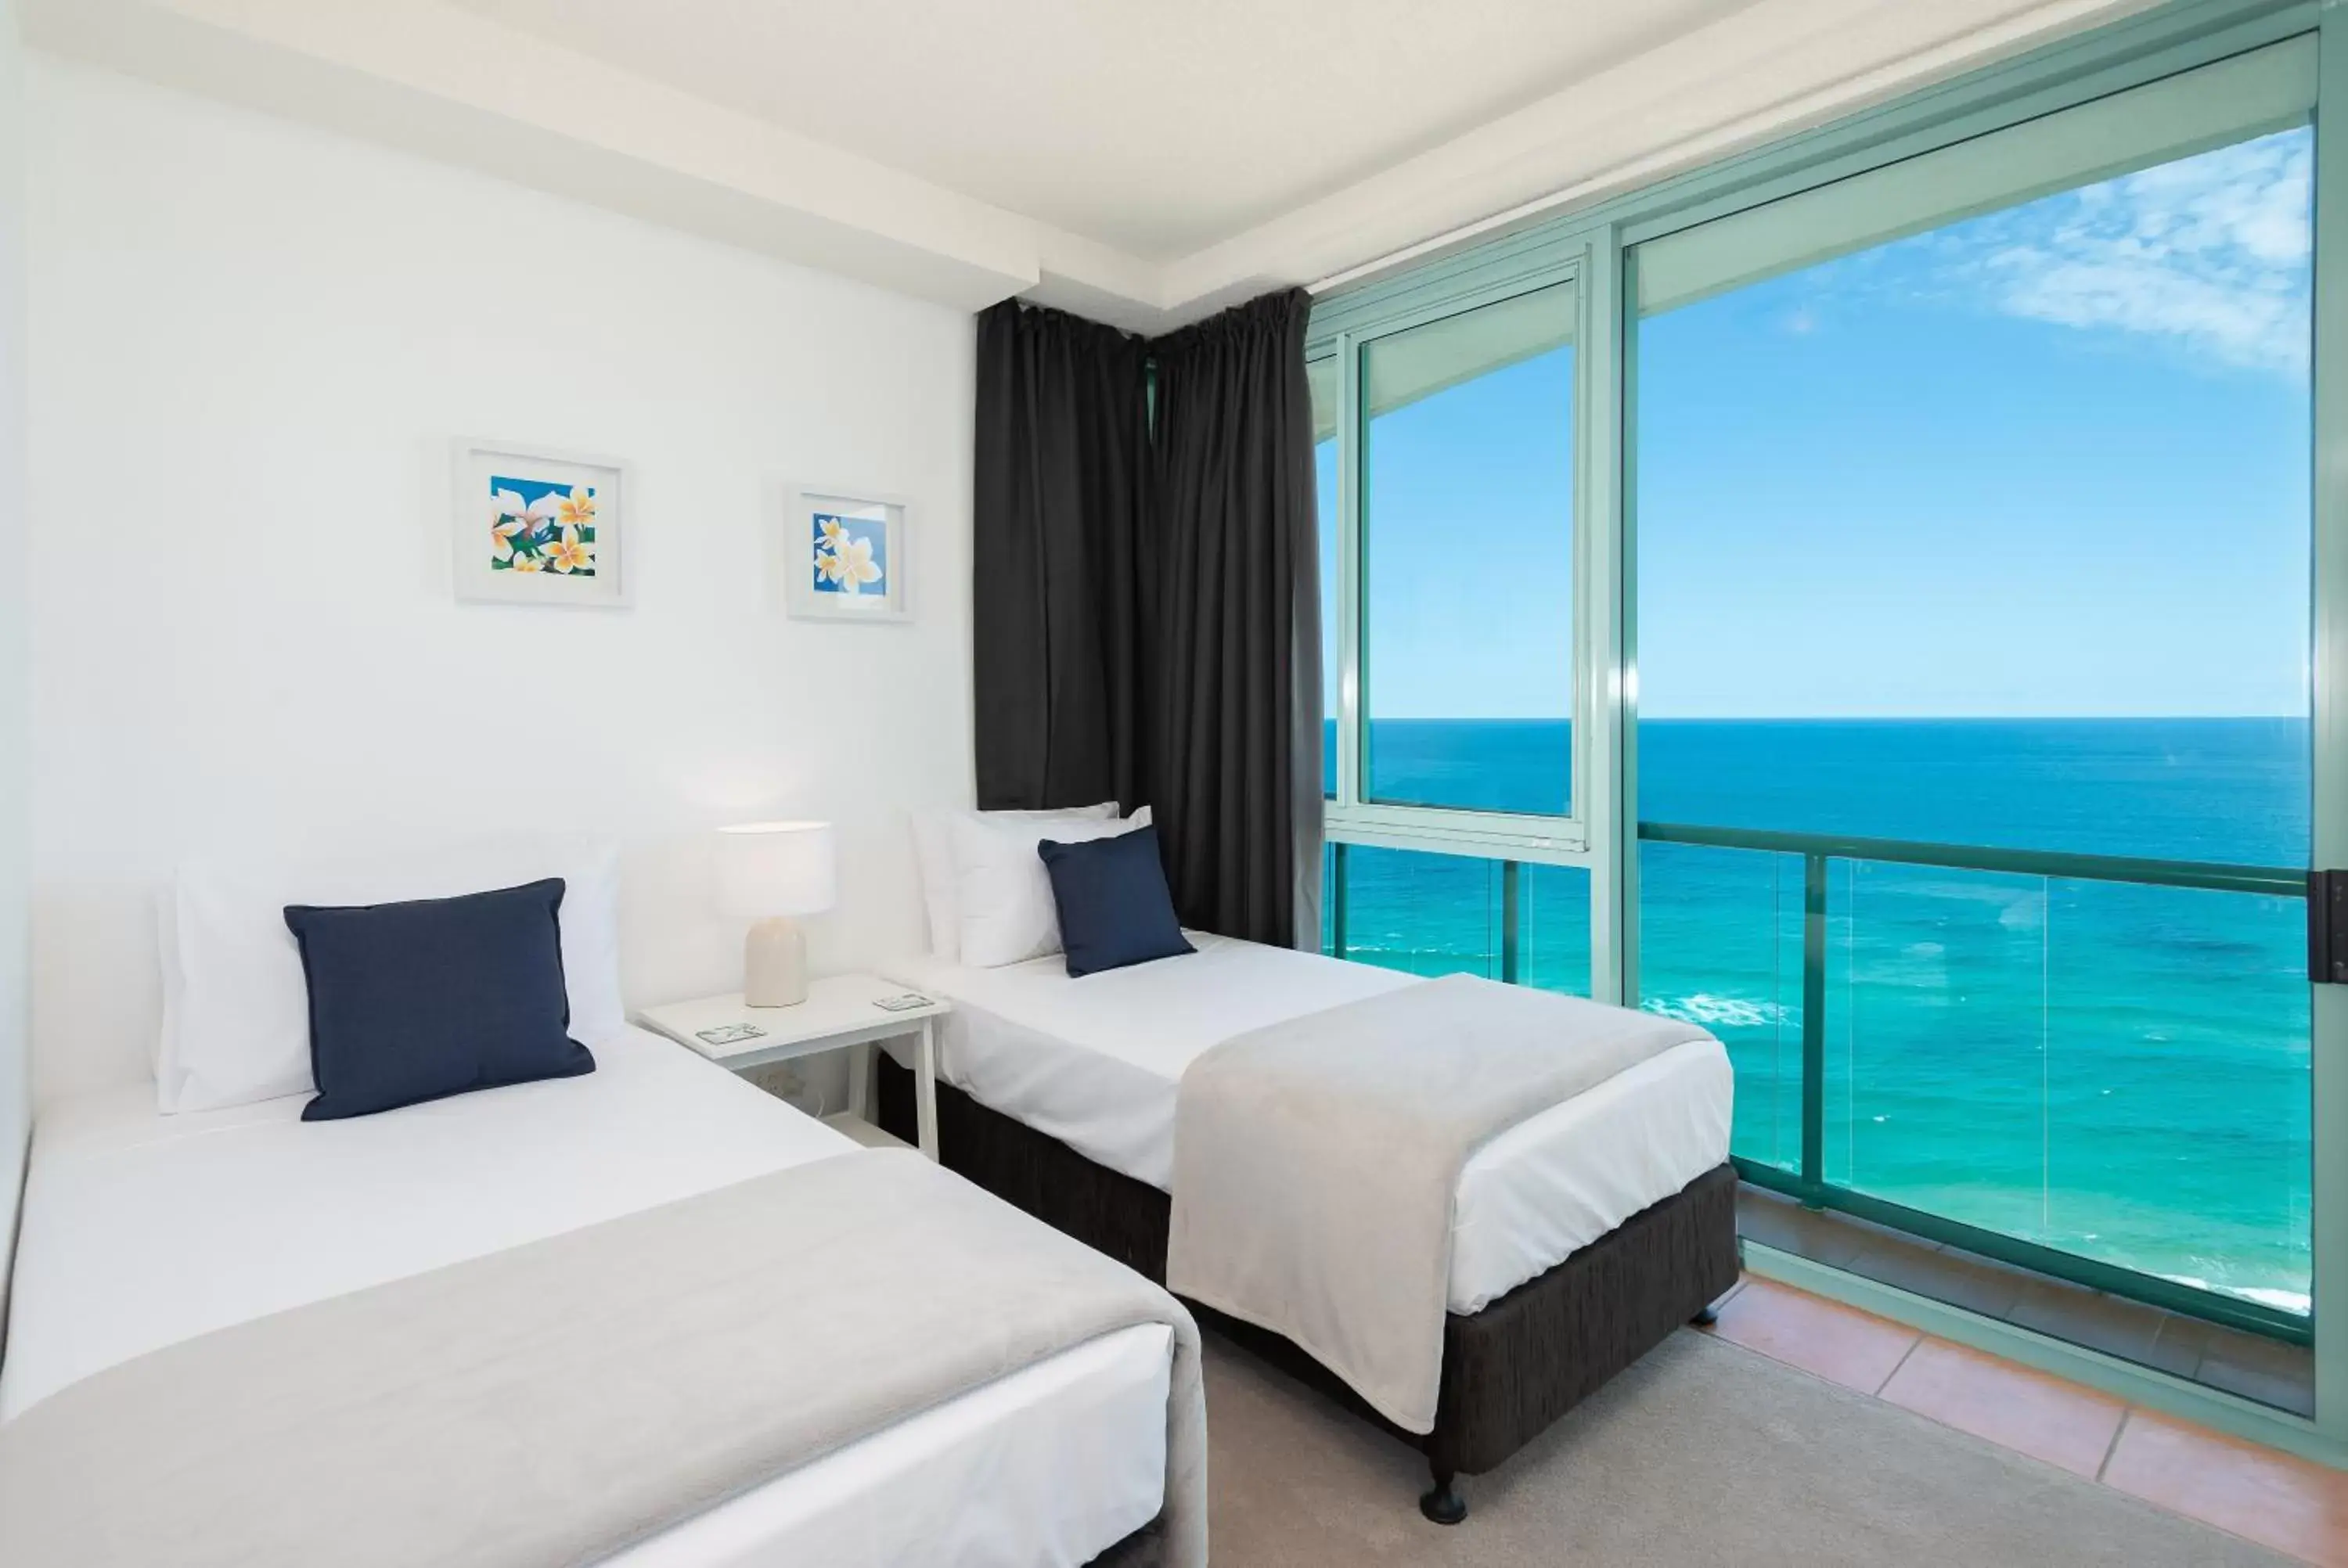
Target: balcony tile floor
x=2011 y=1406
x=2250 y=1364
x=2279 y=1501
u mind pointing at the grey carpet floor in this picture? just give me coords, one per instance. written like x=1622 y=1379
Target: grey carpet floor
x=1704 y=1453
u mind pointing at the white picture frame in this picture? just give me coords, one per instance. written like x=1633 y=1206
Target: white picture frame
x=847 y=554
x=534 y=525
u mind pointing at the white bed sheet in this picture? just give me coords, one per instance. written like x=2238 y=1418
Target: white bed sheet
x=1096 y=1062
x=141 y=1230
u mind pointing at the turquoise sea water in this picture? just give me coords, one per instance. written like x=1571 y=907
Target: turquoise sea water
x=2121 y=1071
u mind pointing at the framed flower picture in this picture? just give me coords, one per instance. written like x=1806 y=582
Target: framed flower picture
x=535 y=527
x=845 y=556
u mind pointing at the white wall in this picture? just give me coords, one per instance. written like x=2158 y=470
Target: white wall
x=14 y=1080
x=251 y=344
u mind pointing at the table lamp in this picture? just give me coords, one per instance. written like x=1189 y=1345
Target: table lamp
x=767 y=873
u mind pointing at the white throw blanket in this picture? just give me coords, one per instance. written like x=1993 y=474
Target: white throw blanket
x=557 y=1403
x=1316 y=1162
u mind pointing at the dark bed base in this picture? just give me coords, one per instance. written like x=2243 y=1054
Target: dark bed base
x=1509 y=1372
x=1144 y=1548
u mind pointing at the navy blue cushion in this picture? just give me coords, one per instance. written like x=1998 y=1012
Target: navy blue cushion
x=1115 y=907
x=418 y=1000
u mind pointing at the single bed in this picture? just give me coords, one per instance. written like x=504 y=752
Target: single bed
x=1580 y=1236
x=142 y=1230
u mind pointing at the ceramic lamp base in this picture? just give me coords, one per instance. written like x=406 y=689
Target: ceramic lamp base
x=774 y=965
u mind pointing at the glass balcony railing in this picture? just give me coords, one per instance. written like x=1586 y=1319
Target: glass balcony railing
x=2093 y=1067
x=2090 y=1066
x=1426 y=913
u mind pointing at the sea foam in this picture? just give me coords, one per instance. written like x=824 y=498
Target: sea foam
x=1710 y=1011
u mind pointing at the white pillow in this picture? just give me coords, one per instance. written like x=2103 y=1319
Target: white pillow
x=236 y=1007
x=1008 y=914
x=933 y=847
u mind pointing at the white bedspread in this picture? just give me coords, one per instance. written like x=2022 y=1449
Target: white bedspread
x=1096 y=1062
x=1316 y=1162
x=141 y=1230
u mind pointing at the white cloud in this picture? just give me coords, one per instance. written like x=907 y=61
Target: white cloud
x=2211 y=252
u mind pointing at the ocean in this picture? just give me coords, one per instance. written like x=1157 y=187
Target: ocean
x=2119 y=1072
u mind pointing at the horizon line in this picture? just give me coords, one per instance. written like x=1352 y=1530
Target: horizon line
x=1829 y=718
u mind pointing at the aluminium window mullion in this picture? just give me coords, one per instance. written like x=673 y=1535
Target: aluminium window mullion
x=1350 y=630
x=2328 y=1008
x=1603 y=741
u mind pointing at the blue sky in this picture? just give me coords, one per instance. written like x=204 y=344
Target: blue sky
x=2049 y=461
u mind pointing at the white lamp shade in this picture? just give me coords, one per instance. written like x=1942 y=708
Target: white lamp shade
x=769 y=868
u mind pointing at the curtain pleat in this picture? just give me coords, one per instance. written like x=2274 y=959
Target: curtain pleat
x=1059 y=622
x=1239 y=642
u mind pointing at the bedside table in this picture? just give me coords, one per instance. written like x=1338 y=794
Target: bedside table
x=840 y=1012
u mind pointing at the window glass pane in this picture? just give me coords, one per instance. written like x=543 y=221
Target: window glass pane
x=1553 y=929
x=1320 y=374
x=1986 y=525
x=2005 y=1072
x=2235 y=100
x=1431 y=913
x=1720 y=946
x=1420 y=912
x=1998 y=534
x=1468 y=555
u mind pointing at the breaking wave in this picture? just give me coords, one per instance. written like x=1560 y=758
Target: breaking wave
x=1710 y=1011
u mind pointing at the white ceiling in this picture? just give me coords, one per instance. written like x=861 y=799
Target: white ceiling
x=1141 y=163
x=1160 y=129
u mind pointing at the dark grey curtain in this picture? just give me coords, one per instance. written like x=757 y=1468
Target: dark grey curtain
x=1145 y=619
x=1238 y=649
x=1060 y=610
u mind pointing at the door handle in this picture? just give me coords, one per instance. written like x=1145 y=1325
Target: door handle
x=2327 y=927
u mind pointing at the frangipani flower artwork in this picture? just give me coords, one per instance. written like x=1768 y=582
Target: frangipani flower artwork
x=542 y=524
x=851 y=555
x=538 y=528
x=848 y=561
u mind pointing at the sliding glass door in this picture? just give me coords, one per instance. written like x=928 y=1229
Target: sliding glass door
x=1976 y=752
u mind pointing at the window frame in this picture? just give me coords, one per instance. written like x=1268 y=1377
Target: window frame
x=1349 y=813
